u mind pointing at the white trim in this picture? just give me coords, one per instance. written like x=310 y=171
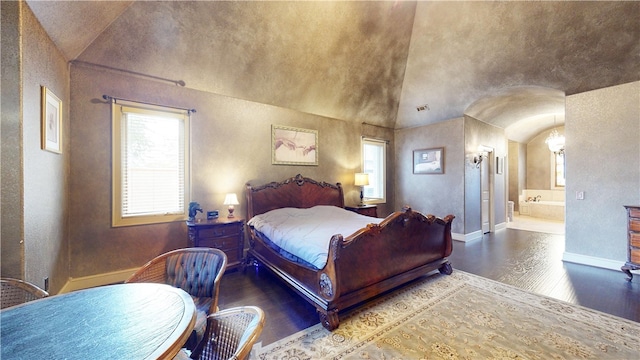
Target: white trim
x=592 y=261
x=476 y=235
x=501 y=226
x=90 y=281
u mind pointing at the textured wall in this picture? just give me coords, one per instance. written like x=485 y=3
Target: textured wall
x=539 y=162
x=231 y=142
x=517 y=160
x=478 y=133
x=45 y=173
x=12 y=254
x=437 y=194
x=603 y=160
x=38 y=218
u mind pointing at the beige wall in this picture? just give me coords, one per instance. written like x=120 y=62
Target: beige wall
x=539 y=162
x=478 y=133
x=517 y=171
x=603 y=160
x=437 y=194
x=34 y=181
x=11 y=171
x=230 y=145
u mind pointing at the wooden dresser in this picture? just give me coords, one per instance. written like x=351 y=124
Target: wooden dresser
x=633 y=243
x=226 y=234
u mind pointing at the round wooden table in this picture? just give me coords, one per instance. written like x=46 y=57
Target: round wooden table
x=124 y=321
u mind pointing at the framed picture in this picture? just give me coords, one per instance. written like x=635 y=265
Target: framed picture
x=51 y=121
x=428 y=161
x=293 y=146
x=499 y=164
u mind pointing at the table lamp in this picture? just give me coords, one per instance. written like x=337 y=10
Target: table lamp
x=231 y=199
x=362 y=180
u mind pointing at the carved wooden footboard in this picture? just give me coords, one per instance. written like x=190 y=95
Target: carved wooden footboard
x=403 y=247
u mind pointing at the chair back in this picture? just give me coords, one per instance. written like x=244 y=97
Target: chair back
x=231 y=334
x=16 y=292
x=197 y=271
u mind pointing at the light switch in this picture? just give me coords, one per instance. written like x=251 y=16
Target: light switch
x=579 y=195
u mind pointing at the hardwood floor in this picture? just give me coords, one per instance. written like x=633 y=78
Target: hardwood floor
x=525 y=259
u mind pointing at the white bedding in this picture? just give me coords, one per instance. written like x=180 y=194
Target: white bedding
x=306 y=233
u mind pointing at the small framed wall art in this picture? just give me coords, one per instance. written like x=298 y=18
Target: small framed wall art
x=428 y=161
x=51 y=121
x=499 y=165
x=293 y=146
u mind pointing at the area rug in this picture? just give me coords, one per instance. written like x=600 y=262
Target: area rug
x=463 y=316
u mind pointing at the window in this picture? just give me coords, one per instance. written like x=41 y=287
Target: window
x=150 y=164
x=374 y=163
x=558 y=170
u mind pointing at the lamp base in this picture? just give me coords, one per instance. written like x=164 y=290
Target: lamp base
x=230 y=212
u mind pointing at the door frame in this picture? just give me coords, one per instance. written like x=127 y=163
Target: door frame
x=490 y=166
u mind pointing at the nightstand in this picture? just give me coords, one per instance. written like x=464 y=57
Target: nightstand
x=226 y=234
x=367 y=210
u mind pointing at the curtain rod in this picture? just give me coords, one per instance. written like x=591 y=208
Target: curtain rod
x=111 y=98
x=88 y=64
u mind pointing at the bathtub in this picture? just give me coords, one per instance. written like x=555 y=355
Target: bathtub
x=551 y=210
x=544 y=209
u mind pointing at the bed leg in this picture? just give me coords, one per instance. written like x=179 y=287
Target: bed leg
x=446 y=269
x=329 y=319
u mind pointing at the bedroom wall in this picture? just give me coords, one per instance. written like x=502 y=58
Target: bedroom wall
x=517 y=160
x=603 y=160
x=437 y=194
x=34 y=181
x=478 y=133
x=230 y=145
x=11 y=171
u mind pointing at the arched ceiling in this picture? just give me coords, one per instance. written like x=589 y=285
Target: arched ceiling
x=523 y=112
x=506 y=63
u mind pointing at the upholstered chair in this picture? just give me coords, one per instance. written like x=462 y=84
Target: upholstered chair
x=197 y=271
x=16 y=292
x=230 y=334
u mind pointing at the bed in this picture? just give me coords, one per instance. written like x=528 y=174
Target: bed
x=358 y=266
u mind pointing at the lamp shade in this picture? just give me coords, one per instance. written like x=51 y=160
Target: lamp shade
x=231 y=199
x=362 y=179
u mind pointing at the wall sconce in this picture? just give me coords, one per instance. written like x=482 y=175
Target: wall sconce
x=483 y=153
x=362 y=180
x=231 y=199
x=477 y=159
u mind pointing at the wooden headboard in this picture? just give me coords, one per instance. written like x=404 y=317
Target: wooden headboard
x=298 y=192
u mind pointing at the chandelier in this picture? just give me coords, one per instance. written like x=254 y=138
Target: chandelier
x=555 y=141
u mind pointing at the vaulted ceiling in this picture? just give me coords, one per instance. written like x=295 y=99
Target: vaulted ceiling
x=506 y=63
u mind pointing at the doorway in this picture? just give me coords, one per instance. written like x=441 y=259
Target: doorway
x=485 y=197
x=486 y=190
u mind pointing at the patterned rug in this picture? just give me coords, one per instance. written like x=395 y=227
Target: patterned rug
x=463 y=316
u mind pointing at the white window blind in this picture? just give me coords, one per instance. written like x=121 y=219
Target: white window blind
x=374 y=164
x=150 y=163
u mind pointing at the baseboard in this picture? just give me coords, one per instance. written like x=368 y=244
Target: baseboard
x=501 y=226
x=476 y=235
x=86 y=282
x=592 y=261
